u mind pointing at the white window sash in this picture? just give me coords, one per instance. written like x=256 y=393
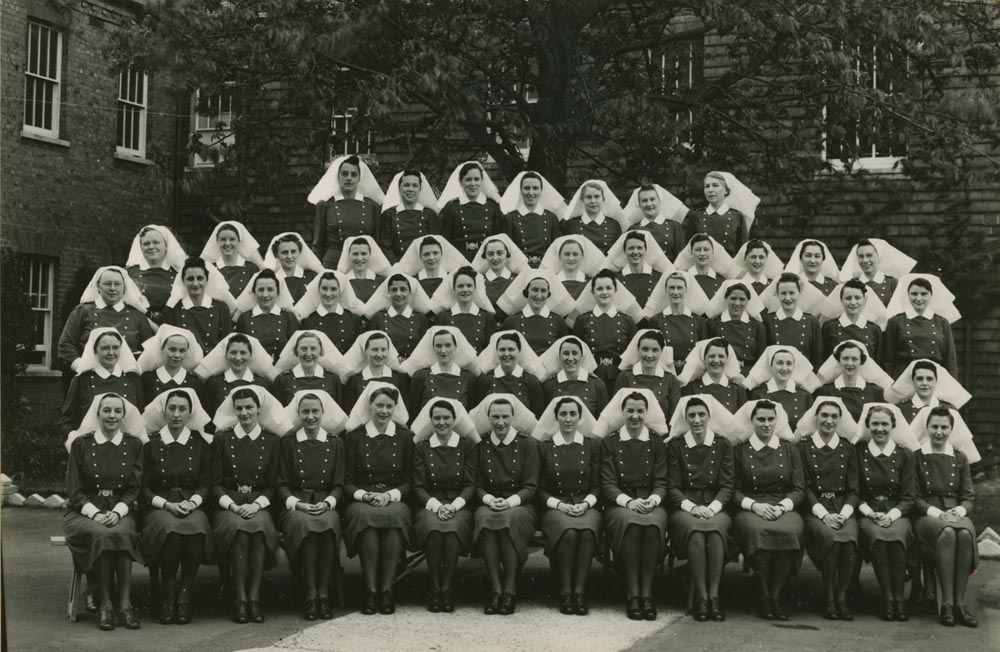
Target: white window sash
x=133 y=91
x=42 y=88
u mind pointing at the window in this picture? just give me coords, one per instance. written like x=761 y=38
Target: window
x=346 y=137
x=132 y=92
x=212 y=127
x=39 y=272
x=678 y=68
x=42 y=74
x=511 y=121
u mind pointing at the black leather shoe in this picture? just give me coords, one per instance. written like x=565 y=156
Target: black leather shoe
x=508 y=604
x=633 y=609
x=700 y=611
x=183 y=614
x=844 y=612
x=447 y=601
x=648 y=609
x=311 y=612
x=255 y=611
x=765 y=609
x=369 y=603
x=964 y=617
x=831 y=612
x=566 y=604
x=778 y=609
x=900 y=609
x=106 y=621
x=386 y=603
x=580 y=606
x=324 y=608
x=889 y=611
x=947 y=615
x=240 y=613
x=714 y=611
x=167 y=616
x=492 y=605
x=434 y=602
x=128 y=619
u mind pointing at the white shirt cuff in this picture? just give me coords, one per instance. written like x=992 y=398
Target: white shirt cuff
x=395 y=496
x=196 y=499
x=514 y=501
x=715 y=506
x=865 y=509
x=934 y=512
x=158 y=502
x=656 y=499
x=847 y=511
x=90 y=510
x=687 y=505
x=359 y=495
x=894 y=514
x=75 y=364
x=552 y=502
x=432 y=505
x=458 y=503
x=819 y=511
x=291 y=502
x=623 y=500
x=747 y=504
x=787 y=504
x=590 y=499
x=488 y=500
x=225 y=502
x=121 y=509
x=331 y=501
x=263 y=502
x=960 y=511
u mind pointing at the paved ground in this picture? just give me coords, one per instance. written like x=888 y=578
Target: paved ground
x=36 y=576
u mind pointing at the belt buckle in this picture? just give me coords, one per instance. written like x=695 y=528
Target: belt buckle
x=828 y=494
x=105 y=493
x=606 y=362
x=881 y=498
x=472 y=246
x=379 y=487
x=176 y=490
x=244 y=488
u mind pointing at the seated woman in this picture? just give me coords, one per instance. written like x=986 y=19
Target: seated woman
x=606 y=322
x=499 y=261
x=308 y=361
x=857 y=315
x=409 y=211
x=265 y=309
x=364 y=265
x=769 y=486
x=812 y=261
x=537 y=304
x=236 y=361
x=569 y=368
x=444 y=481
x=200 y=302
x=378 y=523
x=830 y=465
x=233 y=252
x=699 y=487
x=531 y=207
x=886 y=492
x=926 y=384
x=347 y=200
x=594 y=213
x=878 y=265
x=311 y=462
x=920 y=313
x=640 y=263
x=516 y=371
x=153 y=261
x=461 y=302
x=634 y=484
x=784 y=376
x=654 y=210
x=168 y=361
x=711 y=368
x=330 y=307
x=675 y=309
x=245 y=454
x=568 y=489
x=786 y=323
x=706 y=260
x=735 y=315
x=941 y=508
x=400 y=308
x=756 y=264
x=176 y=476
x=574 y=260
x=469 y=209
x=106 y=366
x=292 y=262
x=376 y=357
x=506 y=483
x=647 y=363
x=111 y=300
x=102 y=484
x=430 y=259
x=729 y=214
x=851 y=375
x=443 y=365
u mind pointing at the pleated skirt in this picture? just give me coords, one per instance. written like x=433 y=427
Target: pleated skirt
x=755 y=533
x=820 y=537
x=296 y=525
x=555 y=523
x=681 y=525
x=461 y=525
x=520 y=523
x=617 y=521
x=158 y=524
x=360 y=516
x=928 y=529
x=87 y=539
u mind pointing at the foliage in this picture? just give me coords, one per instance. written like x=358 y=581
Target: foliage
x=32 y=451
x=16 y=336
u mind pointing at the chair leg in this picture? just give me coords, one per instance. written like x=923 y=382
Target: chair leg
x=76 y=596
x=338 y=575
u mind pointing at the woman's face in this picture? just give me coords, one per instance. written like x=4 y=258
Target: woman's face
x=464 y=288
x=111 y=413
x=604 y=292
x=701 y=252
x=880 y=425
x=229 y=242
x=442 y=421
x=650 y=352
x=853 y=301
x=195 y=281
x=288 y=255
x=939 y=429
x=568 y=416
x=409 y=188
x=266 y=291
x=247 y=413
x=501 y=417
x=507 y=354
x=763 y=423
x=496 y=256
x=635 y=413
x=736 y=303
x=593 y=198
x=178 y=413
x=310 y=413
x=715 y=360
x=635 y=251
x=827 y=420
x=812 y=259
x=381 y=409
x=538 y=293
x=715 y=191
x=444 y=347
x=788 y=296
x=376 y=351
x=349 y=176
x=308 y=351
x=782 y=365
x=153 y=246
x=531 y=191
x=108 y=349
x=925 y=382
x=360 y=253
x=471 y=182
x=329 y=292
x=238 y=356
x=696 y=417
x=920 y=297
x=868 y=260
x=175 y=350
x=430 y=256
x=111 y=286
x=570 y=356
x=649 y=202
x=755 y=260
x=676 y=290
x=399 y=294
x=850 y=361
x=570 y=256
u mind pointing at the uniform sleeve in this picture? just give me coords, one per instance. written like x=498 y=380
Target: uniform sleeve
x=469 y=466
x=815 y=343
x=416 y=391
x=675 y=475
x=133 y=484
x=69 y=339
x=270 y=474
x=420 y=483
x=907 y=485
x=530 y=473
x=387 y=238
x=595 y=472
x=965 y=487
x=808 y=475
x=609 y=473
x=204 y=472
x=406 y=485
x=890 y=340
x=726 y=479
x=350 y=464
x=796 y=492
x=744 y=232
x=146 y=495
x=544 y=459
x=71 y=413
x=760 y=339
x=738 y=495
x=447 y=219
x=286 y=471
x=74 y=474
x=536 y=398
x=950 y=359
x=853 y=496
x=319 y=229
x=602 y=393
x=219 y=493
x=480 y=491
x=225 y=320
x=659 y=470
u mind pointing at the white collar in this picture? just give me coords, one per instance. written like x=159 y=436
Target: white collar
x=726 y=317
x=144 y=265
x=610 y=312
x=115 y=439
x=323 y=312
x=879 y=278
x=691 y=443
x=919 y=403
x=772 y=386
x=926 y=449
x=781 y=314
x=373 y=432
x=416 y=207
x=559 y=440
x=253 y=434
x=599 y=220
x=490 y=275
x=885 y=452
x=452 y=369
x=839 y=382
x=819 y=443
x=685 y=312
x=820 y=278
x=581 y=375
x=101 y=304
x=368 y=275
x=528 y=312
x=230 y=375
x=424 y=274
x=845 y=321
x=464 y=199
x=710 y=273
x=524 y=211
x=258 y=311
x=757 y=444
x=240 y=262
x=405 y=312
x=578 y=275
x=301 y=435
x=105 y=374
x=299 y=372
x=357 y=196
x=298 y=272
x=451 y=443
x=659 y=372
x=707 y=380
x=646 y=269
x=368 y=374
x=912 y=314
x=187 y=303
x=165 y=377
x=712 y=210
x=516 y=372
x=643 y=434
x=659 y=219
x=511 y=434
x=457 y=310
x=750 y=279
x=181 y=439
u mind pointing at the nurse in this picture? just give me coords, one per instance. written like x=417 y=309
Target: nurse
x=812 y=261
x=706 y=260
x=784 y=376
x=570 y=368
x=676 y=309
x=858 y=316
x=729 y=214
x=640 y=263
x=648 y=363
x=347 y=202
x=168 y=361
x=499 y=260
x=153 y=261
x=537 y=304
x=789 y=325
x=711 y=368
x=364 y=265
x=469 y=208
x=200 y=302
x=756 y=264
x=531 y=208
x=292 y=262
x=735 y=315
x=853 y=376
x=400 y=308
x=878 y=265
x=266 y=312
x=516 y=370
x=461 y=302
x=408 y=212
x=596 y=214
x=235 y=253
x=330 y=307
x=652 y=209
x=921 y=313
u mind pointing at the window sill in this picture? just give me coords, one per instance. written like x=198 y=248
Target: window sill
x=132 y=158
x=41 y=372
x=44 y=138
x=874 y=165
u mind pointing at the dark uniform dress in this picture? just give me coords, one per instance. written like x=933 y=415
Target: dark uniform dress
x=708 y=283
x=747 y=338
x=340 y=219
x=773 y=476
x=356 y=384
x=398 y=227
x=698 y=475
x=732 y=396
x=884 y=289
x=364 y=288
x=887 y=483
x=430 y=284
x=532 y=232
x=587 y=387
x=444 y=474
x=668 y=234
x=173 y=473
x=467 y=225
x=908 y=339
x=208 y=324
x=640 y=284
x=83 y=389
x=729 y=229
x=834 y=332
x=574 y=287
x=105 y=476
x=427 y=385
x=237 y=276
x=666 y=388
x=495 y=287
x=287 y=383
x=153 y=383
x=603 y=235
x=297 y=284
x=607 y=336
x=633 y=468
x=570 y=473
x=477 y=327
x=525 y=387
x=540 y=331
x=217 y=388
x=132 y=324
x=272 y=330
x=343 y=329
x=826 y=286
x=909 y=409
x=155 y=284
x=311 y=471
x=505 y=471
x=378 y=464
x=854 y=397
x=804 y=334
x=404 y=331
x=796 y=402
x=943 y=482
x=681 y=332
x=831 y=481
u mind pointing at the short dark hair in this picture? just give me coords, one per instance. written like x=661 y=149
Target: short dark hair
x=763 y=404
x=245 y=393
x=263 y=275
x=194 y=262
x=604 y=273
x=853 y=284
x=924 y=364
x=443 y=405
x=180 y=394
x=288 y=237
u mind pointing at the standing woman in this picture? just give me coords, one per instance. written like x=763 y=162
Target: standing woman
x=308 y=361
x=102 y=484
x=201 y=303
x=364 y=265
x=168 y=361
x=376 y=357
x=236 y=361
x=853 y=377
x=310 y=486
x=400 y=307
x=735 y=315
x=235 y=253
x=926 y=384
x=707 y=261
x=330 y=307
x=756 y=264
x=654 y=210
x=461 y=302
x=606 y=322
x=430 y=259
x=675 y=309
x=537 y=304
x=469 y=208
x=378 y=479
x=347 y=200
x=640 y=263
x=729 y=214
x=153 y=261
x=444 y=481
x=788 y=325
x=443 y=365
x=499 y=260
x=106 y=366
x=769 y=486
x=531 y=208
x=568 y=488
x=857 y=316
x=292 y=262
x=921 y=313
x=596 y=214
x=176 y=476
x=784 y=376
x=574 y=260
x=570 y=367
x=266 y=312
x=812 y=261
x=878 y=265
x=647 y=363
x=711 y=368
x=244 y=477
x=516 y=371
x=408 y=212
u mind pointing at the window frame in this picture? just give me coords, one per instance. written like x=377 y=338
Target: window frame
x=53 y=131
x=529 y=95
x=348 y=114
x=126 y=104
x=47 y=345
x=692 y=50
x=228 y=133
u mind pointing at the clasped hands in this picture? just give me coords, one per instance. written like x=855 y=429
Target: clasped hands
x=767 y=512
x=642 y=505
x=313 y=509
x=182 y=508
x=377 y=498
x=573 y=509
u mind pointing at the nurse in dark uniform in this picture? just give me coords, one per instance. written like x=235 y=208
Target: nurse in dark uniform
x=266 y=312
x=926 y=384
x=851 y=385
x=712 y=369
x=640 y=263
x=675 y=309
x=308 y=361
x=737 y=319
x=292 y=262
x=399 y=307
x=856 y=320
x=378 y=522
x=330 y=307
x=537 y=304
x=921 y=312
x=168 y=361
x=571 y=366
x=346 y=206
x=573 y=260
x=531 y=207
x=878 y=265
x=606 y=329
x=443 y=365
x=769 y=485
x=107 y=366
x=201 y=303
x=469 y=211
x=652 y=213
x=784 y=376
x=813 y=262
x=788 y=325
x=235 y=253
x=153 y=261
x=430 y=259
x=408 y=212
x=515 y=370
x=376 y=357
x=647 y=363
x=707 y=261
x=757 y=265
x=499 y=260
x=236 y=361
x=729 y=214
x=364 y=265
x=102 y=484
x=462 y=302
x=594 y=213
